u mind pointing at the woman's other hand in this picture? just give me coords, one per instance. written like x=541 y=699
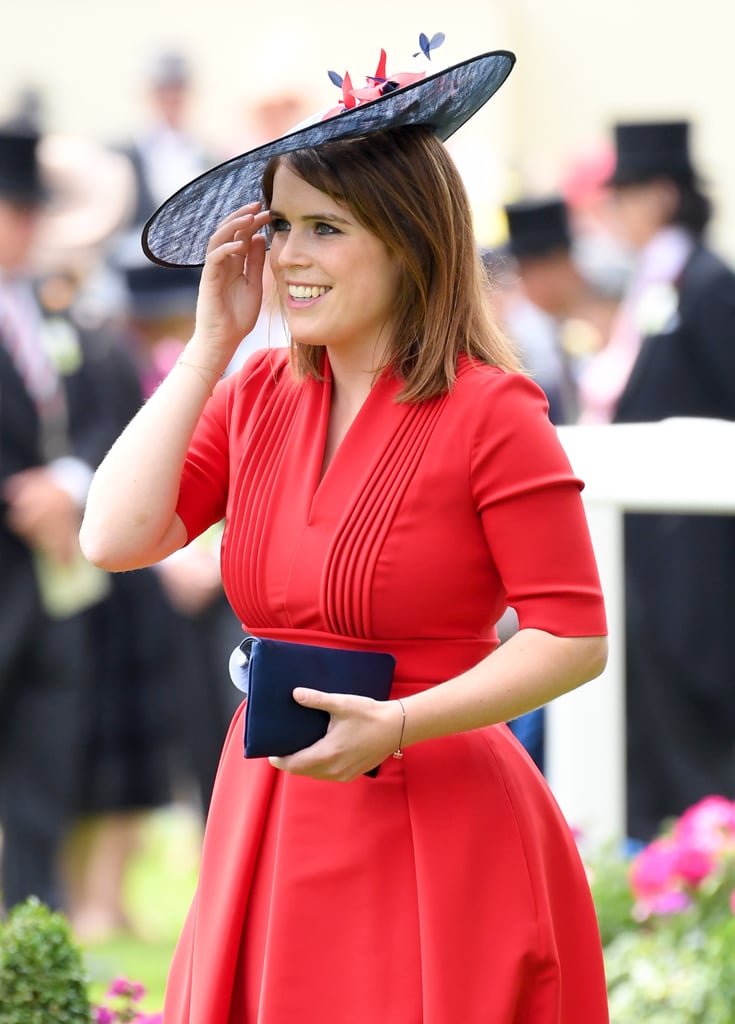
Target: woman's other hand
x=362 y=732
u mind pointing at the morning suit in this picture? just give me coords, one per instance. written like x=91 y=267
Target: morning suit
x=43 y=656
x=680 y=570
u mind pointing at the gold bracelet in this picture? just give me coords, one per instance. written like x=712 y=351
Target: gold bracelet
x=398 y=753
x=201 y=370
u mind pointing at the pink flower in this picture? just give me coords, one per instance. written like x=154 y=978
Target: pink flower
x=693 y=865
x=662 y=873
x=132 y=990
x=666 y=903
x=653 y=870
x=103 y=1015
x=666 y=873
x=709 y=825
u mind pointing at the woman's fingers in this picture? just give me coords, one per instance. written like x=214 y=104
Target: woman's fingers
x=240 y=225
x=255 y=259
x=250 y=250
x=224 y=251
x=230 y=293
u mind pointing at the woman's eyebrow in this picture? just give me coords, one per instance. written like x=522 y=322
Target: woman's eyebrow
x=331 y=218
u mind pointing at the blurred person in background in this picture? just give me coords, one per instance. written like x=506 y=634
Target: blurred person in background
x=569 y=285
x=152 y=733
x=270 y=115
x=56 y=423
x=156 y=310
x=671 y=354
x=126 y=729
x=550 y=289
x=166 y=151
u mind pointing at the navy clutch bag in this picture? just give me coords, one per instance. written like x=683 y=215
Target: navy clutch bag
x=269 y=670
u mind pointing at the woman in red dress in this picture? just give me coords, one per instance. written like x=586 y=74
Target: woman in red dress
x=392 y=483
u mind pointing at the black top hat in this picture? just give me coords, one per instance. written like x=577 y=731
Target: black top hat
x=155 y=294
x=177 y=234
x=20 y=173
x=537 y=227
x=652 y=149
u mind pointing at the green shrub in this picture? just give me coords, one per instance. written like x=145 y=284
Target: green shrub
x=667 y=918
x=42 y=979
x=612 y=894
x=665 y=976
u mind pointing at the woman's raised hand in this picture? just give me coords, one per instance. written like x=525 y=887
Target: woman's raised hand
x=231 y=288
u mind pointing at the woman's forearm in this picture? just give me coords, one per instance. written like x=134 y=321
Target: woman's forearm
x=130 y=517
x=527 y=671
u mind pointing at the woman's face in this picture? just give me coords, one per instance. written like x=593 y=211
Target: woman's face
x=337 y=282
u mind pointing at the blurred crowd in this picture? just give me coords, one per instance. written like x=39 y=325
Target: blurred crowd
x=114 y=689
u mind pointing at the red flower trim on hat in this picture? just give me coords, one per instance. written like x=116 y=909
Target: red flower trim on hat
x=380 y=83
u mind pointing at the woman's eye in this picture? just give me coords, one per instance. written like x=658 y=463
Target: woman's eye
x=277 y=225
x=322 y=228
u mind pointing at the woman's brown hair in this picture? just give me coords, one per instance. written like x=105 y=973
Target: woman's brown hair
x=403 y=187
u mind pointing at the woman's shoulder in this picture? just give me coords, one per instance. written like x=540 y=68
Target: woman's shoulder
x=266 y=368
x=482 y=384
x=265 y=360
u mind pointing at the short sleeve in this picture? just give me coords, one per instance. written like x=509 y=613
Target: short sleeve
x=205 y=479
x=529 y=500
x=203 y=489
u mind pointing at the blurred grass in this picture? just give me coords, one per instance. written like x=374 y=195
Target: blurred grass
x=159 y=886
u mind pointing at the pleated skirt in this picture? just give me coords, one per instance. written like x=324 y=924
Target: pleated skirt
x=448 y=890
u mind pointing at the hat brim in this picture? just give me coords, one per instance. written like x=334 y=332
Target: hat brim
x=683 y=174
x=91 y=192
x=178 y=233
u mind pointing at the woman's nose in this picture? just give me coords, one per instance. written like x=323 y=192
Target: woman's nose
x=293 y=250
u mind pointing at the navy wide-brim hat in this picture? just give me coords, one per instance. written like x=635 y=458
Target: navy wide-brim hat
x=178 y=233
x=652 y=149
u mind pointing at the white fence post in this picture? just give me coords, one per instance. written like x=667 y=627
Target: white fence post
x=677 y=465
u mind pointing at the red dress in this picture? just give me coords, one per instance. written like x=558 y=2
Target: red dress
x=448 y=890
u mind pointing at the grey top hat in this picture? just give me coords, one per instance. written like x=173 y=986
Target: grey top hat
x=168 y=67
x=651 y=149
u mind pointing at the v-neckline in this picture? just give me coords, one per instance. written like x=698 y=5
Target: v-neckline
x=321 y=478
x=328 y=412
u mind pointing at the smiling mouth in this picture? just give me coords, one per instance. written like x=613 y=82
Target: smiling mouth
x=305 y=292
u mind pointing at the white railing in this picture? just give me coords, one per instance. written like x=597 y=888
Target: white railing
x=677 y=465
